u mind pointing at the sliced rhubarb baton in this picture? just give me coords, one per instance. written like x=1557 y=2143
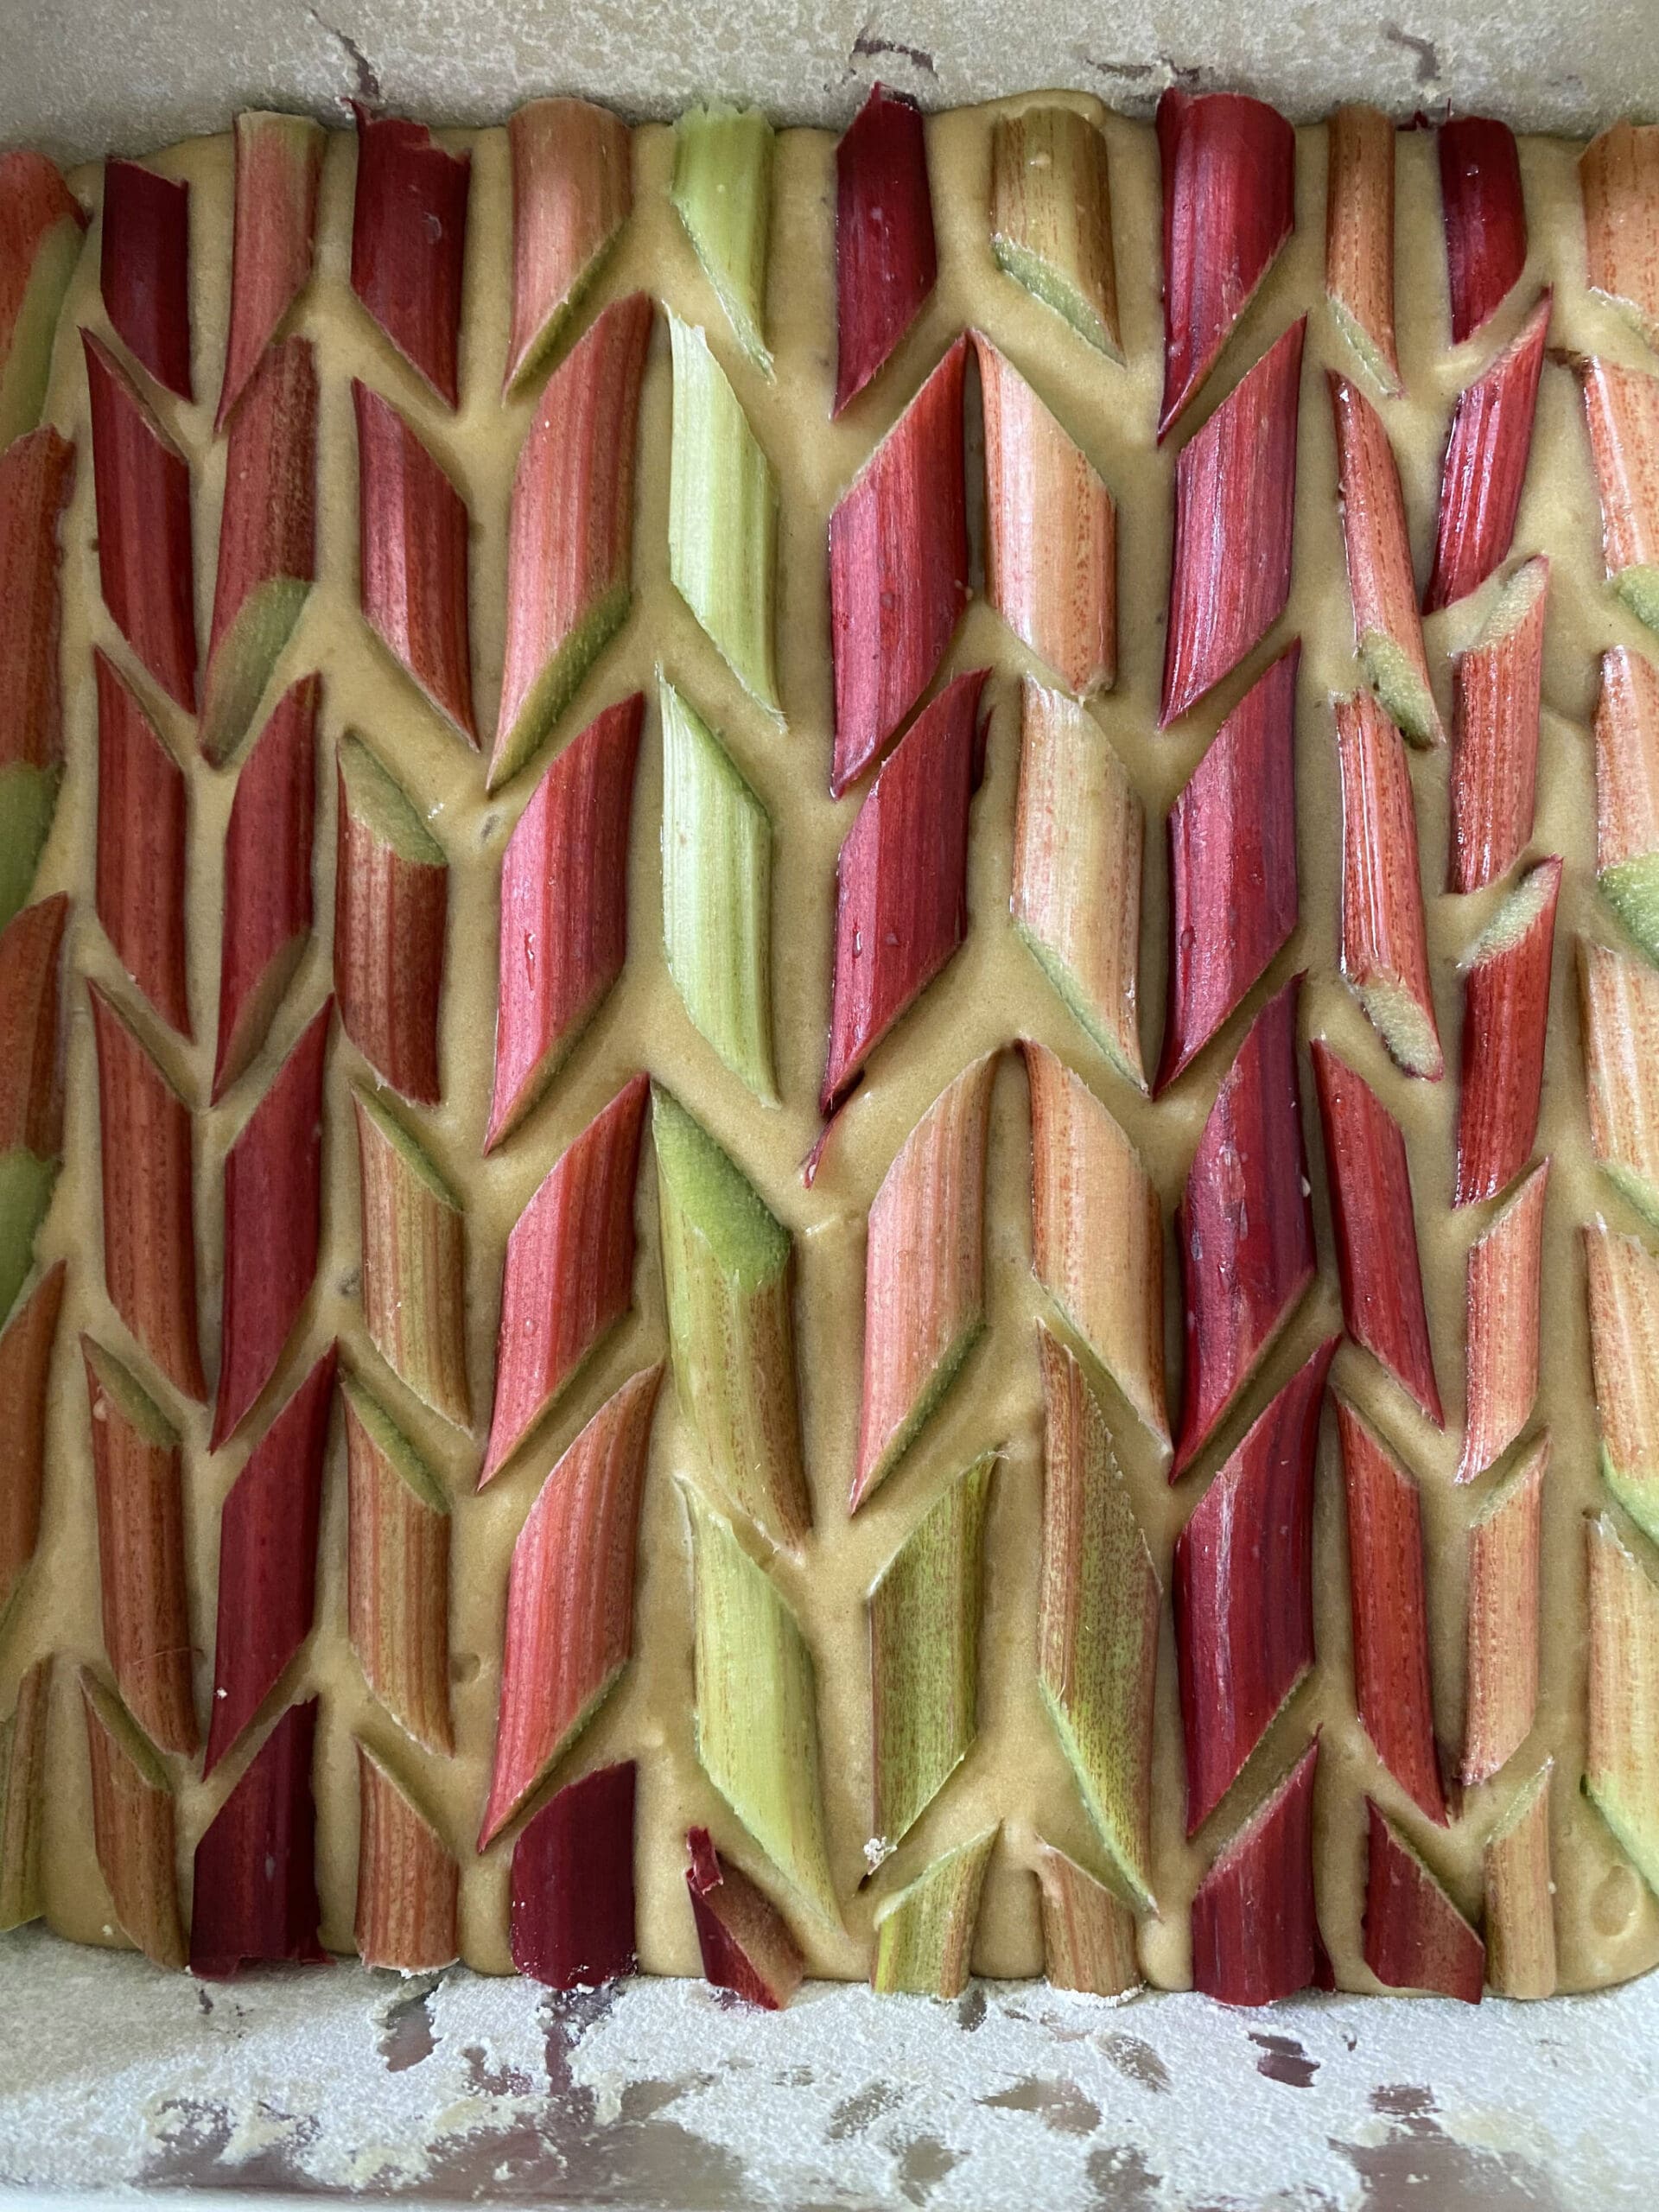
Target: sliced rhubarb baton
x=1619 y=1000
x=141 y=810
x=1618 y=177
x=1051 y=218
x=409 y=242
x=886 y=258
x=397 y=1571
x=278 y=178
x=1627 y=793
x=722 y=516
x=145 y=563
x=41 y=227
x=572 y=192
x=1415 y=1937
x=26 y=1347
x=391 y=901
x=1623 y=1301
x=1502 y=1671
x=1088 y=1930
x=37 y=471
x=1388 y=630
x=1485 y=218
x=745 y=1941
x=1255 y=1928
x=924 y=1932
x=1485 y=465
x=1505 y=1014
x=722 y=194
x=1504 y=1273
x=254 y=1900
x=1359 y=238
x=413 y=1261
x=1521 y=1897
x=23 y=1799
x=31 y=1053
x=408 y=1882
x=1622 y=409
x=1495 y=733
x=573 y=1922
x=1385 y=936
x=1621 y=1752
x=132 y=1826
x=144 y=270
x=267 y=879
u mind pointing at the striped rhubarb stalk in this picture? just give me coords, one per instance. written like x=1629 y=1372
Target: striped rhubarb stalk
x=885 y=259
x=413 y=1261
x=397 y=1571
x=142 y=813
x=267 y=879
x=1088 y=1930
x=1502 y=1281
x=1618 y=178
x=1505 y=1546
x=1621 y=1752
x=1505 y=1016
x=1498 y=684
x=31 y=1053
x=1619 y=1000
x=1622 y=409
x=1256 y=1927
x=1385 y=936
x=22 y=1798
x=1623 y=1300
x=1359 y=238
x=42 y=226
x=1521 y=1896
x=278 y=179
x=1627 y=793
x=409 y=242
x=1485 y=465
x=392 y=898
x=572 y=192
x=26 y=1343
x=722 y=194
x=408 y=1882
x=924 y=1932
x=145 y=563
x=1388 y=630
x=144 y=270
x=132 y=1826
x=1051 y=218
x=36 y=472
x=1415 y=1936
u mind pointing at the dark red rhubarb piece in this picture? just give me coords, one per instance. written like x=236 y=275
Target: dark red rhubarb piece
x=1255 y=1926
x=26 y=1348
x=391 y=903
x=409 y=242
x=573 y=1884
x=1415 y=1937
x=1505 y=1023
x=255 y=1897
x=267 y=879
x=1499 y=683
x=145 y=563
x=37 y=471
x=412 y=530
x=144 y=270
x=1485 y=465
x=1486 y=218
x=141 y=812
x=278 y=175
x=745 y=1941
x=885 y=259
x=31 y=1058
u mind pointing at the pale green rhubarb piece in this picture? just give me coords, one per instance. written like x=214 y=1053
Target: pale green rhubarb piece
x=1627 y=793
x=1618 y=1000
x=722 y=194
x=1621 y=1756
x=924 y=1932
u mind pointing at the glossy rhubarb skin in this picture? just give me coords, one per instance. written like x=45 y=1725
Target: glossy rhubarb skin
x=397 y=1571
x=273 y=1206
x=1088 y=1930
x=901 y=882
x=567 y=1278
x=1235 y=518
x=886 y=256
x=268 y=1559
x=267 y=894
x=409 y=242
x=1502 y=1280
x=1627 y=793
x=1359 y=238
x=278 y=179
x=1622 y=412
x=1505 y=1013
x=254 y=1899
x=1618 y=179
x=1485 y=465
x=1244 y=1226
x=27 y=1342
x=572 y=192
x=42 y=230
x=722 y=194
x=924 y=1932
x=144 y=270
x=391 y=904
x=744 y=1940
x=564 y=910
x=1229 y=169
x=1243 y=1590
x=36 y=472
x=570 y=530
x=1623 y=1294
x=22 y=1798
x=1232 y=865
x=142 y=814
x=1387 y=632
x=1384 y=934
x=1621 y=1752
x=1499 y=683
x=31 y=1054
x=570 y=1588
x=1505 y=1549
x=1051 y=218
x=1415 y=1936
x=1618 y=999
x=898 y=570
x=145 y=562
x=1486 y=218
x=408 y=1882
x=572 y=1915
x=1521 y=1897
x=132 y=1826
x=413 y=1270
x=1256 y=1927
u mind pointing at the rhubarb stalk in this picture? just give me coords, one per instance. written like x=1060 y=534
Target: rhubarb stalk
x=1415 y=1937
x=141 y=812
x=745 y=1941
x=391 y=896
x=1504 y=1550
x=132 y=1826
x=1495 y=733
x=408 y=242
x=278 y=178
x=1051 y=218
x=254 y=1900
x=1485 y=465
x=1623 y=1301
x=1359 y=238
x=924 y=1932
x=413 y=1262
x=572 y=1925
x=1505 y=1017
x=41 y=227
x=267 y=879
x=37 y=471
x=722 y=194
x=1627 y=793
x=1619 y=1000
x=1521 y=1897
x=572 y=192
x=1622 y=409
x=722 y=516
x=1088 y=1930
x=27 y=1342
x=23 y=1799
x=31 y=1055
x=408 y=1882
x=397 y=1571
x=1485 y=218
x=144 y=270
x=145 y=563
x=1255 y=1928
x=1621 y=1752
x=1618 y=177
x=1504 y=1271
x=1385 y=936
x=1388 y=630
x=886 y=258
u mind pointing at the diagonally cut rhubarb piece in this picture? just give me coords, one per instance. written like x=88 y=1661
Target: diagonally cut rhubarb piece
x=145 y=563
x=886 y=258
x=1256 y=1927
x=1415 y=1937
x=570 y=533
x=717 y=893
x=1243 y=1590
x=1097 y=1234
x=924 y=1274
x=1619 y=1000
x=268 y=1559
x=254 y=1899
x=569 y=1624
x=745 y=1941
x=1622 y=409
x=898 y=570
x=1384 y=935
x=273 y=1208
x=391 y=901
x=409 y=242
x=1388 y=630
x=1521 y=1896
x=727 y=1283
x=1385 y=1566
x=413 y=1261
x=564 y=910
x=1051 y=218
x=1504 y=1276
x=278 y=178
x=1505 y=1017
x=1052 y=532
x=132 y=1826
x=1232 y=865
x=1498 y=684
x=1228 y=166
x=901 y=881
x=136 y=1473
x=398 y=1570
x=1096 y=1622
x=924 y=1932
x=1485 y=217
x=1088 y=1930
x=150 y=1237
x=23 y=1799
x=1621 y=1752
x=36 y=472
x=408 y=1882
x=42 y=228
x=722 y=194
x=1485 y=465
x=572 y=192
x=924 y=1610
x=1244 y=1226
x=1627 y=793
x=1618 y=178
x=1375 y=1230
x=572 y=1924
x=27 y=1342
x=31 y=1055
x=1505 y=1542
x=1623 y=1301
x=1359 y=238
x=267 y=879
x=567 y=1279
x=141 y=811
x=144 y=270
x=1235 y=518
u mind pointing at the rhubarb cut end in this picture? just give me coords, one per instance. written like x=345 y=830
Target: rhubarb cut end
x=1393 y=674
x=242 y=661
x=722 y=192
x=557 y=685
x=924 y=1932
x=29 y=800
x=745 y=1941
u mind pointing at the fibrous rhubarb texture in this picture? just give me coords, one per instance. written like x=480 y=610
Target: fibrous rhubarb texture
x=1088 y=1930
x=413 y=1261
x=391 y=902
x=1097 y=1234
x=901 y=881
x=572 y=1925
x=267 y=879
x=745 y=1941
x=1052 y=532
x=408 y=242
x=564 y=909
x=1504 y=1271
x=37 y=471
x=1622 y=409
x=278 y=177
x=1415 y=1937
x=1255 y=1926
x=570 y=1631
x=144 y=270
x=1228 y=166
x=145 y=563
x=273 y=1206
x=141 y=812
x=886 y=258
x=1243 y=1590
x=924 y=1274
x=570 y=532
x=717 y=893
x=1235 y=516
x=1385 y=936
x=1627 y=793
x=254 y=1900
x=1521 y=1897
x=412 y=530
x=1359 y=238
x=572 y=192
x=898 y=570
x=722 y=194
x=1618 y=177
x=268 y=1559
x=757 y=1708
x=924 y=1932
x=132 y=1826
x=1244 y=1227
x=1232 y=865
x=1376 y=1228
x=1495 y=733
x=1485 y=465
x=398 y=1570
x=1619 y=1000
x=31 y=1057
x=568 y=1274
x=1505 y=1543
x=22 y=1798
x=1621 y=1754
x=728 y=1286
x=135 y=1474
x=26 y=1347
x=1623 y=1301
x=924 y=1613
x=1505 y=1015
x=41 y=227
x=1486 y=218
x=1385 y=1568
x=408 y=1882
x=1051 y=218
x=1388 y=630
x=150 y=1238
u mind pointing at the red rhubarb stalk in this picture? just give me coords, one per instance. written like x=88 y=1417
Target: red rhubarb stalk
x=22 y=1798
x=145 y=562
x=31 y=1058
x=1415 y=1937
x=254 y=1901
x=1486 y=218
x=885 y=259
x=1495 y=733
x=141 y=812
x=1256 y=1928
x=1385 y=936
x=572 y=1923
x=144 y=270
x=41 y=227
x=1505 y=1553
x=412 y=530
x=397 y=1571
x=1387 y=632
x=1505 y=1018
x=1622 y=411
x=572 y=192
x=1359 y=237
x=278 y=175
x=26 y=1348
x=1618 y=176
x=1501 y=1305
x=408 y=242
x=1485 y=465
x=392 y=900
x=133 y=1827
x=267 y=879
x=408 y=1882
x=36 y=473
x=745 y=1941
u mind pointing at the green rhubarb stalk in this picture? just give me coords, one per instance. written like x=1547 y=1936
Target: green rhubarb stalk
x=924 y=1932
x=26 y=1187
x=23 y=1787
x=722 y=516
x=1621 y=1756
x=722 y=194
